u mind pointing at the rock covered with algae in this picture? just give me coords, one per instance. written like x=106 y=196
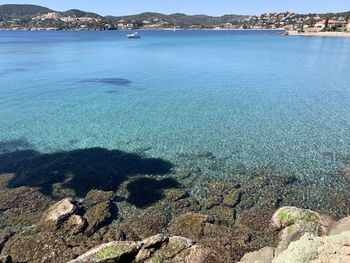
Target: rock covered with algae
x=293 y=222
x=155 y=249
x=319 y=240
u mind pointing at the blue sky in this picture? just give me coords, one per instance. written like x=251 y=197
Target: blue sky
x=210 y=7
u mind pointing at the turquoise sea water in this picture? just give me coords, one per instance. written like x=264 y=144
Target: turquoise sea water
x=252 y=98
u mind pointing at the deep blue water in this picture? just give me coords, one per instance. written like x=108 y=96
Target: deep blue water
x=255 y=98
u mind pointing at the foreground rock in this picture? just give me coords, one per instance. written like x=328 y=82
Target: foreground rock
x=159 y=248
x=264 y=255
x=95 y=197
x=294 y=222
x=304 y=239
x=308 y=249
x=313 y=249
x=98 y=216
x=340 y=226
x=58 y=213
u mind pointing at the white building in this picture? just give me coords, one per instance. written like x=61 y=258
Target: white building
x=320 y=24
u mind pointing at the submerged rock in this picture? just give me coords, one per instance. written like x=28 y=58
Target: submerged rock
x=189 y=225
x=147 y=224
x=212 y=201
x=228 y=244
x=98 y=216
x=345 y=172
x=36 y=248
x=174 y=194
x=223 y=215
x=24 y=198
x=95 y=197
x=4 y=237
x=232 y=198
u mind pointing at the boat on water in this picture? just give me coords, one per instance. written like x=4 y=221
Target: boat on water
x=133 y=35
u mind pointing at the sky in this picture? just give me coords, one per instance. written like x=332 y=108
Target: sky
x=209 y=7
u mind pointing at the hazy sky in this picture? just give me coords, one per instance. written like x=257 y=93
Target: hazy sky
x=210 y=7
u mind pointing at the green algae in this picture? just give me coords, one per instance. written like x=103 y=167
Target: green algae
x=156 y=260
x=310 y=217
x=171 y=249
x=289 y=217
x=112 y=252
x=286 y=217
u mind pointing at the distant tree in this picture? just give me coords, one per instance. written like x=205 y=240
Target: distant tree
x=326 y=23
x=139 y=24
x=310 y=22
x=347 y=18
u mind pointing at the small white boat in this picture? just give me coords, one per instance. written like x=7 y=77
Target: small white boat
x=133 y=35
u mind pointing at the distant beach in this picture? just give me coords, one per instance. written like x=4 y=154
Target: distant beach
x=320 y=34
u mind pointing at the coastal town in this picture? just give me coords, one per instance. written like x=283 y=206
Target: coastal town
x=40 y=18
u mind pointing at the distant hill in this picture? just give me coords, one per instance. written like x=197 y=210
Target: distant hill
x=29 y=11
x=183 y=19
x=22 y=11
x=18 y=16
x=79 y=13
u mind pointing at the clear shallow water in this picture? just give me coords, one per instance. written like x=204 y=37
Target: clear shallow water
x=252 y=98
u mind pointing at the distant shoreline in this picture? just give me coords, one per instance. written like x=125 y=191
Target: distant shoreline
x=320 y=34
x=142 y=29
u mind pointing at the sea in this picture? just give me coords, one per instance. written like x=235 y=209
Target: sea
x=252 y=99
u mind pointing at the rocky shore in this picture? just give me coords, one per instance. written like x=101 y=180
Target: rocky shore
x=176 y=229
x=52 y=209
x=66 y=234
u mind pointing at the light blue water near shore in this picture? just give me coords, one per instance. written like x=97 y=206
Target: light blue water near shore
x=254 y=98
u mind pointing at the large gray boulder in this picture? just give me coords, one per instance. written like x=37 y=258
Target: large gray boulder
x=313 y=249
x=264 y=255
x=340 y=226
x=158 y=248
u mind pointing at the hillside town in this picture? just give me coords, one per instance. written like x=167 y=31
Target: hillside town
x=75 y=21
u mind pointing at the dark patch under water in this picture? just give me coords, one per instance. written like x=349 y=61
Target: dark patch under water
x=14 y=145
x=112 y=92
x=80 y=170
x=109 y=81
x=146 y=191
x=13 y=70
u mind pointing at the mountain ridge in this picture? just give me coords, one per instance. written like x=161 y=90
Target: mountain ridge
x=26 y=16
x=28 y=10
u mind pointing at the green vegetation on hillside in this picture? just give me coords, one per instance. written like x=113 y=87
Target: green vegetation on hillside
x=22 y=11
x=38 y=17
